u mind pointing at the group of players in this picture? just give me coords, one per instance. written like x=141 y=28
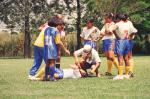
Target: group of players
x=117 y=36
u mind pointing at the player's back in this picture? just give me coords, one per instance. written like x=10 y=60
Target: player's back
x=123 y=29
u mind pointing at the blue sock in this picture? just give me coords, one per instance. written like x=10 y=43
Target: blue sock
x=52 y=72
x=47 y=71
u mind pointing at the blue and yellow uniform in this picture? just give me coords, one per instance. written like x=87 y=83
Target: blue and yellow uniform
x=51 y=39
x=50 y=47
x=38 y=53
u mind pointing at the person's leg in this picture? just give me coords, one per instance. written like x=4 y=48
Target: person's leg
x=59 y=57
x=40 y=73
x=106 y=44
x=127 y=65
x=37 y=61
x=120 y=51
x=131 y=60
x=52 y=68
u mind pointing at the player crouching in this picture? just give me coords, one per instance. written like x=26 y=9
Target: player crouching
x=89 y=59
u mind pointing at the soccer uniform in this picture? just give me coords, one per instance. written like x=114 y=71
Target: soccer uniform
x=108 y=45
x=108 y=40
x=62 y=73
x=51 y=38
x=90 y=35
x=38 y=52
x=134 y=30
x=90 y=61
x=122 y=46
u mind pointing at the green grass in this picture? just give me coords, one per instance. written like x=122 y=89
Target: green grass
x=15 y=85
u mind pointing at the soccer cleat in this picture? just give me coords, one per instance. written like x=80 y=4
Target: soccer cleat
x=131 y=74
x=108 y=74
x=118 y=77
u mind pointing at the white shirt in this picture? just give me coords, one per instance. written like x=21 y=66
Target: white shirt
x=90 y=34
x=110 y=27
x=94 y=55
x=124 y=29
x=71 y=73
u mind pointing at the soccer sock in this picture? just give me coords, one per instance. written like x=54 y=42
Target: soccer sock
x=52 y=72
x=127 y=68
x=131 y=61
x=47 y=70
x=115 y=62
x=109 y=64
x=41 y=72
x=120 y=70
x=57 y=65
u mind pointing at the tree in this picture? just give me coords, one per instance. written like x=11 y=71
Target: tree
x=27 y=15
x=78 y=23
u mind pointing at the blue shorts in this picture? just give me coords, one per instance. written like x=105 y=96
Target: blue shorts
x=122 y=47
x=88 y=65
x=108 y=45
x=131 y=42
x=91 y=43
x=59 y=72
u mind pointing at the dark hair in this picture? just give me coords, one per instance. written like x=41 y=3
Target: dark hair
x=90 y=21
x=109 y=15
x=54 y=22
x=126 y=16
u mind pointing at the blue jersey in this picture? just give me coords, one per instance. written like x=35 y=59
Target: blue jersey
x=50 y=48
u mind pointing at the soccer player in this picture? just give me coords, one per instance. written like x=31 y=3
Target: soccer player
x=51 y=42
x=38 y=51
x=72 y=72
x=109 y=42
x=131 y=43
x=122 y=32
x=89 y=59
x=62 y=37
x=90 y=34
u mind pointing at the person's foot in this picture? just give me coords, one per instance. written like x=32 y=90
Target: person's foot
x=131 y=74
x=118 y=77
x=127 y=76
x=108 y=74
x=31 y=76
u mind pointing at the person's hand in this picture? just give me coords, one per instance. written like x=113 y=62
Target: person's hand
x=68 y=52
x=77 y=63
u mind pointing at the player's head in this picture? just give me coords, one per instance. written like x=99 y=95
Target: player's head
x=118 y=17
x=90 y=23
x=86 y=51
x=108 y=17
x=42 y=27
x=55 y=22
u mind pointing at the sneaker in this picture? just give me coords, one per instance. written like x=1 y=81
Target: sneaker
x=131 y=74
x=108 y=74
x=127 y=76
x=30 y=76
x=118 y=77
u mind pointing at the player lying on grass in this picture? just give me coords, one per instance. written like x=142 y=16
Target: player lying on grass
x=73 y=72
x=89 y=59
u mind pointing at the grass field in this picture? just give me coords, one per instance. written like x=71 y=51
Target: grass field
x=15 y=85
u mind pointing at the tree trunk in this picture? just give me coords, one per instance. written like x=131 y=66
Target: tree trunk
x=78 y=23
x=27 y=39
